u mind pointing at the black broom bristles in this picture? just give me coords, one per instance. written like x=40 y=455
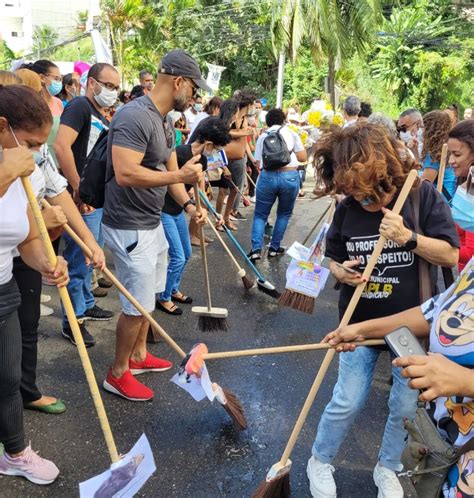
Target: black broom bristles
x=267 y=288
x=213 y=324
x=297 y=301
x=276 y=488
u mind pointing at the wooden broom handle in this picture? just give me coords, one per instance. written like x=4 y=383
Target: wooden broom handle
x=226 y=247
x=66 y=300
x=203 y=248
x=284 y=349
x=122 y=289
x=250 y=180
x=327 y=211
x=442 y=167
x=328 y=357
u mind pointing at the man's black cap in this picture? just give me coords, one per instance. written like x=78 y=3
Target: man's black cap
x=180 y=63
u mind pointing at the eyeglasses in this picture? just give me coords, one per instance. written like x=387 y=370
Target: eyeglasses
x=56 y=78
x=109 y=86
x=168 y=133
x=404 y=128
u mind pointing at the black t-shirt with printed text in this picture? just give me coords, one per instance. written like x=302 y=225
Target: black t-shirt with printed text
x=394 y=284
x=81 y=115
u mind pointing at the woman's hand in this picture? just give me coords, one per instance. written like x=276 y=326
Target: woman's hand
x=57 y=276
x=18 y=161
x=54 y=217
x=436 y=375
x=347 y=276
x=392 y=228
x=342 y=337
x=98 y=257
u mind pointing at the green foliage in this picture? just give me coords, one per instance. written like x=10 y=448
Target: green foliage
x=80 y=50
x=6 y=55
x=44 y=37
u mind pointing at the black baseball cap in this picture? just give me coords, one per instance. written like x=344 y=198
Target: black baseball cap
x=180 y=63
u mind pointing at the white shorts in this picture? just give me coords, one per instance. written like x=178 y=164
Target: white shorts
x=141 y=262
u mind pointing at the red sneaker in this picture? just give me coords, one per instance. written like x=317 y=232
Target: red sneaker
x=149 y=364
x=128 y=387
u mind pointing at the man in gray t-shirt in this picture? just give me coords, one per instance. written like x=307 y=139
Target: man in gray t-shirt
x=141 y=166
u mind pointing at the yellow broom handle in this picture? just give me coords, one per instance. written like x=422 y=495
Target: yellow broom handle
x=284 y=349
x=328 y=357
x=442 y=167
x=66 y=300
x=122 y=289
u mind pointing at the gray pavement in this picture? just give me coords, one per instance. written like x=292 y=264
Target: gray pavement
x=198 y=453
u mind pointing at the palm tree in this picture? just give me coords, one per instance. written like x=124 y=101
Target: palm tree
x=334 y=29
x=44 y=38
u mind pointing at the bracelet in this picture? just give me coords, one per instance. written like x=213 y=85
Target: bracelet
x=187 y=203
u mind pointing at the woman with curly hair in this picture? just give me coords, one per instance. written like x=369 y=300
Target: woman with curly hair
x=366 y=163
x=437 y=127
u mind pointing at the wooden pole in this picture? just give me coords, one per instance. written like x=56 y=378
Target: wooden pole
x=442 y=167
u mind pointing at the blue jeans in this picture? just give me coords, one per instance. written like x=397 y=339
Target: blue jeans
x=348 y=399
x=79 y=286
x=273 y=185
x=177 y=234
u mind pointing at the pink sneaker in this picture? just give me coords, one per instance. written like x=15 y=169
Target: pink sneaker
x=29 y=465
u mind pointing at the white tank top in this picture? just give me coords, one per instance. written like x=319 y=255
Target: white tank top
x=14 y=226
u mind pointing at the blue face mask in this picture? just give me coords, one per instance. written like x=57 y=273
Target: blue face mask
x=366 y=202
x=37 y=156
x=55 y=87
x=462 y=209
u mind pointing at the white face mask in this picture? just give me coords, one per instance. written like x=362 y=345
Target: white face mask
x=251 y=120
x=405 y=136
x=106 y=97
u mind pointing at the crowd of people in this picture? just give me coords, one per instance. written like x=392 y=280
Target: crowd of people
x=164 y=140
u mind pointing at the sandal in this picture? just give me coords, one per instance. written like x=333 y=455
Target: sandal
x=174 y=310
x=182 y=298
x=230 y=225
x=53 y=408
x=220 y=228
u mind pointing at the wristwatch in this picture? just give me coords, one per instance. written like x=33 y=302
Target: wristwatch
x=412 y=242
x=187 y=203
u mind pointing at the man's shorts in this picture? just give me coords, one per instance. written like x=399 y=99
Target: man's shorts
x=141 y=261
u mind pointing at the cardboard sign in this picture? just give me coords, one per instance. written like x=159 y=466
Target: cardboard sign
x=306 y=277
x=124 y=478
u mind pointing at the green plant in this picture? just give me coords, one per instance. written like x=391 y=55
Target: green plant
x=44 y=37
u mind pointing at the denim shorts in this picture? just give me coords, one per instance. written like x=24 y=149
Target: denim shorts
x=141 y=260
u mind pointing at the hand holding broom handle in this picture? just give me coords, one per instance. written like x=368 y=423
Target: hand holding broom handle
x=122 y=289
x=66 y=300
x=283 y=349
x=283 y=463
x=442 y=167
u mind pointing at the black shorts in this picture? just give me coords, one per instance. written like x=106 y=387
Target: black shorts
x=221 y=183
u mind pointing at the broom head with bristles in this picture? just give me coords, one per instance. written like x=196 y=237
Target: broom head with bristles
x=297 y=301
x=277 y=483
x=248 y=284
x=211 y=319
x=267 y=288
x=231 y=405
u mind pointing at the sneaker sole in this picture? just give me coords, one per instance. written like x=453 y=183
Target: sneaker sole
x=316 y=494
x=111 y=389
x=72 y=341
x=86 y=318
x=138 y=371
x=20 y=473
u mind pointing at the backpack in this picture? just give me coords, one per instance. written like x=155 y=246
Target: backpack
x=92 y=183
x=275 y=153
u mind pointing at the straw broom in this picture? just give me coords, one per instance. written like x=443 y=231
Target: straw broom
x=297 y=300
x=277 y=482
x=227 y=399
x=66 y=300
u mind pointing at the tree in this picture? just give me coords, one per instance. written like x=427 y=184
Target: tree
x=329 y=28
x=44 y=37
x=6 y=55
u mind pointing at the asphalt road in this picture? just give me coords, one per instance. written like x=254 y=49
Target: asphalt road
x=197 y=451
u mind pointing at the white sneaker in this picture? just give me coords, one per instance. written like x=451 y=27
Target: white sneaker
x=45 y=310
x=321 y=481
x=387 y=482
x=45 y=298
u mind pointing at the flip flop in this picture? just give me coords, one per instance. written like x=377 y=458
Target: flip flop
x=184 y=299
x=173 y=311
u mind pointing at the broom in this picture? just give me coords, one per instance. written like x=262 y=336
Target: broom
x=229 y=401
x=263 y=285
x=442 y=167
x=297 y=300
x=315 y=226
x=248 y=284
x=277 y=483
x=210 y=319
x=76 y=331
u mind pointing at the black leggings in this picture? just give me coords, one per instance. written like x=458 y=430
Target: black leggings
x=11 y=406
x=29 y=283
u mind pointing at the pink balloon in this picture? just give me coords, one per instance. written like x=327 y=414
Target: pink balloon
x=81 y=67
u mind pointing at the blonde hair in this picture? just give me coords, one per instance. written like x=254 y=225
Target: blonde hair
x=29 y=78
x=8 y=78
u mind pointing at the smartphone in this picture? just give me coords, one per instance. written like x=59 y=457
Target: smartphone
x=346 y=268
x=403 y=342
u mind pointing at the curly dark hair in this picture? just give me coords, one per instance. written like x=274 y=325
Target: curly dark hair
x=213 y=130
x=245 y=97
x=464 y=132
x=275 y=117
x=437 y=126
x=362 y=160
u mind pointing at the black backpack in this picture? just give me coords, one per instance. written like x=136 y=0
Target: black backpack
x=92 y=184
x=275 y=153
